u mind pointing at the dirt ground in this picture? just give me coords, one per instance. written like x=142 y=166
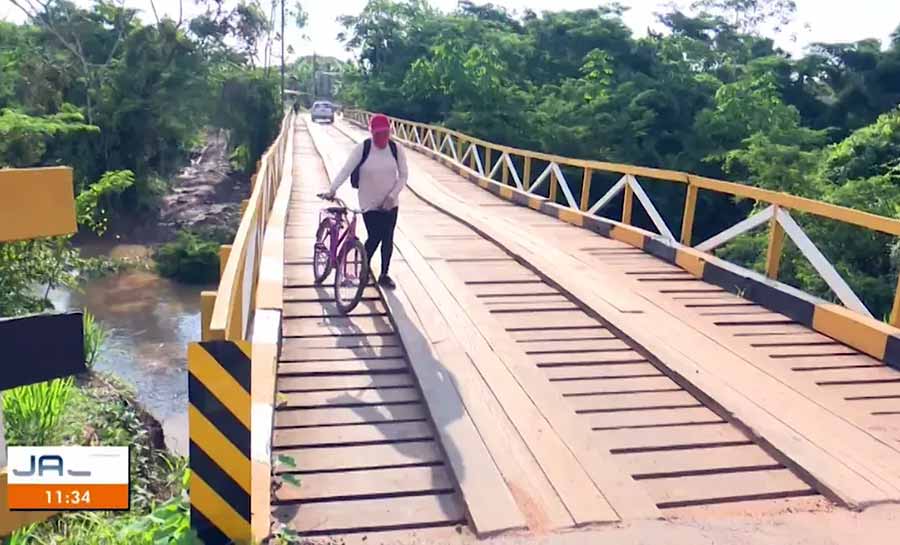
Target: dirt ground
x=206 y=193
x=879 y=525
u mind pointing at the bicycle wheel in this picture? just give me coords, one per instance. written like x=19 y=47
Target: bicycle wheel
x=322 y=252
x=351 y=276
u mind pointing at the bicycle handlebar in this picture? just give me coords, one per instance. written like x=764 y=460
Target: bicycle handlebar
x=338 y=201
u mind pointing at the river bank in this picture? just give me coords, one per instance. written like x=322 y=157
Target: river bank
x=150 y=320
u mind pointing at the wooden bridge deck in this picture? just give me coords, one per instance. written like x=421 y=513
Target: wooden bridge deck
x=529 y=376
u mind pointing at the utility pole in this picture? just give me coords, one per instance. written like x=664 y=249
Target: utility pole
x=283 y=38
x=314 y=74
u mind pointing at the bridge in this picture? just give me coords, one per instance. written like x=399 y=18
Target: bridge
x=540 y=368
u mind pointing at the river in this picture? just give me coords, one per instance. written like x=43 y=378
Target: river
x=150 y=321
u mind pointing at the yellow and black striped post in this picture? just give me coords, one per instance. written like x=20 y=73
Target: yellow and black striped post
x=219 y=427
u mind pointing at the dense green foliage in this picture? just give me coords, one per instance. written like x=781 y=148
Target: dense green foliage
x=98 y=89
x=711 y=95
x=190 y=258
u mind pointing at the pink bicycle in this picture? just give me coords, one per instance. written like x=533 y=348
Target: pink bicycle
x=338 y=248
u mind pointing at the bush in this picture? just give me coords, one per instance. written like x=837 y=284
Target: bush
x=190 y=258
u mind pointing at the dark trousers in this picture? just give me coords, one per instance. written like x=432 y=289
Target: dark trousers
x=380 y=224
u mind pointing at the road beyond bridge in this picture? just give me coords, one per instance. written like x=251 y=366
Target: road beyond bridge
x=540 y=375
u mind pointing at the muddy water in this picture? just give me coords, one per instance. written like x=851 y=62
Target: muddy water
x=150 y=321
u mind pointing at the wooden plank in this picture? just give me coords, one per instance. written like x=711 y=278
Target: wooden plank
x=744 y=320
x=328 y=308
x=610 y=357
x=349 y=398
x=545 y=320
x=616 y=386
x=857 y=391
x=650 y=417
x=531 y=306
x=651 y=464
x=343 y=416
x=601 y=371
x=572 y=346
x=340 y=382
x=342 y=342
x=524 y=299
x=383 y=432
x=357 y=456
x=667 y=437
x=708 y=488
x=292 y=353
x=489 y=290
x=346 y=485
x=316 y=327
x=343 y=367
x=490 y=270
x=632 y=401
x=833 y=352
x=320 y=293
x=537 y=336
x=334 y=517
x=832 y=376
x=886 y=405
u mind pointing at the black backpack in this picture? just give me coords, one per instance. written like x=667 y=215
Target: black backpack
x=367 y=146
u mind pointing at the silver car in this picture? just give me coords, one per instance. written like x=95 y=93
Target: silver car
x=322 y=111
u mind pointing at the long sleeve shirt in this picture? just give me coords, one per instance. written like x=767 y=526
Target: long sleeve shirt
x=381 y=177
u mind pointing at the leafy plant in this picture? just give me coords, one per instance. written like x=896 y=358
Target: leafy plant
x=94 y=338
x=189 y=258
x=89 y=204
x=33 y=411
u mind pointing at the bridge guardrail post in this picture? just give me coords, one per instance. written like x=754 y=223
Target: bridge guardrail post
x=776 y=245
x=895 y=312
x=586 y=189
x=219 y=417
x=687 y=220
x=504 y=167
x=627 y=205
x=526 y=173
x=554 y=185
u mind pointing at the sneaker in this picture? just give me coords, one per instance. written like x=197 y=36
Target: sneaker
x=386 y=282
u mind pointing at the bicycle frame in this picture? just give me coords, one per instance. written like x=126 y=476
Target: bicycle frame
x=339 y=237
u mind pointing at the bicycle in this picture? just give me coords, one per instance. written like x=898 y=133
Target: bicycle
x=338 y=248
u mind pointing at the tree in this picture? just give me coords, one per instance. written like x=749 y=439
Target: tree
x=750 y=16
x=83 y=34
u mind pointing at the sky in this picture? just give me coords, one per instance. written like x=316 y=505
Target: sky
x=816 y=20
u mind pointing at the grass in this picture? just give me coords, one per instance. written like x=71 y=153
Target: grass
x=32 y=412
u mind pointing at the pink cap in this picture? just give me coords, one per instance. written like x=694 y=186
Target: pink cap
x=379 y=123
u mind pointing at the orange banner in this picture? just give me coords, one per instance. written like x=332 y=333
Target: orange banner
x=68 y=497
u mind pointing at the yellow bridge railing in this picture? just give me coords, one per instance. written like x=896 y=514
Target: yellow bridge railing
x=231 y=372
x=494 y=162
x=227 y=312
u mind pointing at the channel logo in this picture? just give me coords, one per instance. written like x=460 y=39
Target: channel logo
x=68 y=478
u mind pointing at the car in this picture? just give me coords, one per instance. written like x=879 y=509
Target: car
x=322 y=110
